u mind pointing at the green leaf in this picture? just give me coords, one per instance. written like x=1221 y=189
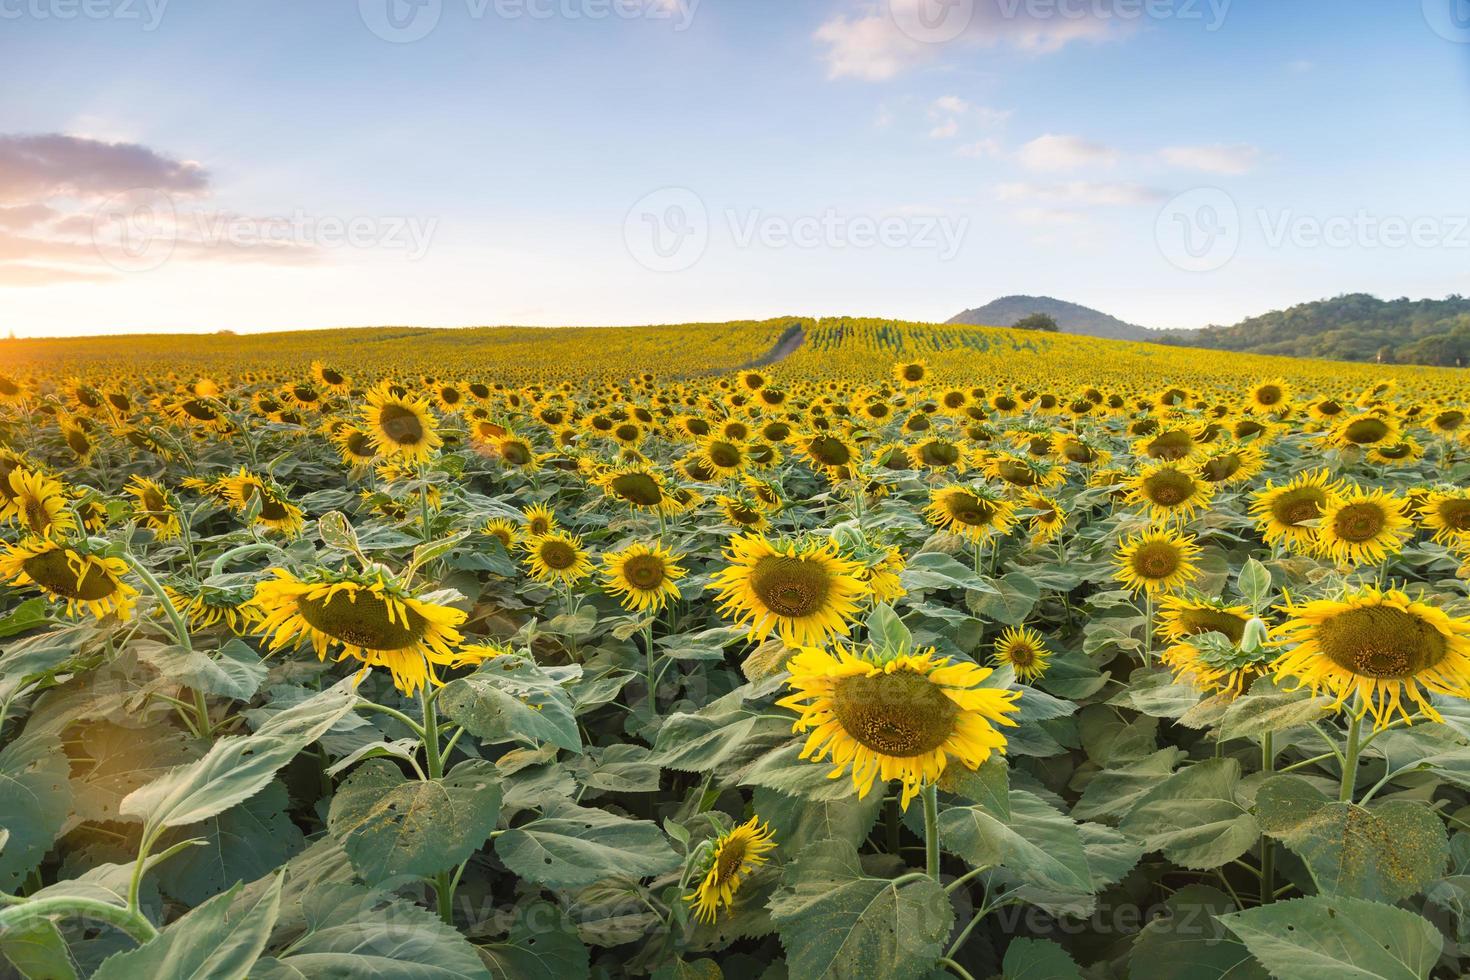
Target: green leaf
x=27 y=616
x=836 y=921
x=1254 y=582
x=1011 y=603
x=722 y=736
x=236 y=768
x=886 y=631
x=1384 y=853
x=337 y=533
x=1269 y=709
x=35 y=798
x=1038 y=959
x=1110 y=794
x=235 y=672
x=350 y=931
x=1189 y=943
x=1037 y=843
x=542 y=945
x=1338 y=939
x=244 y=843
x=394 y=826
x=512 y=698
x=797 y=822
x=936 y=570
x=1195 y=816
x=989 y=785
x=573 y=845
x=37 y=949
x=109 y=761
x=213 y=942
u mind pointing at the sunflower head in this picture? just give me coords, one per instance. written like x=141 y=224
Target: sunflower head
x=643 y=577
x=1447 y=514
x=1156 y=562
x=72 y=574
x=557 y=558
x=911 y=374
x=895 y=714
x=1364 y=527
x=803 y=591
x=1168 y=490
x=153 y=509
x=1024 y=650
x=39 y=504
x=974 y=512
x=725 y=866
x=640 y=487
x=1288 y=513
x=400 y=427
x=505 y=531
x=1380 y=646
x=539 y=520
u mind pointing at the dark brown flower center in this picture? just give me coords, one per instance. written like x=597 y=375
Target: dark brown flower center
x=557 y=555
x=53 y=572
x=401 y=425
x=790 y=587
x=360 y=618
x=1169 y=488
x=901 y=714
x=1364 y=432
x=1381 y=642
x=644 y=571
x=968 y=509
x=1156 y=560
x=1359 y=522
x=1299 y=505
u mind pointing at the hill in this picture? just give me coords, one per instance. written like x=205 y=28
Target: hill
x=1353 y=327
x=1071 y=317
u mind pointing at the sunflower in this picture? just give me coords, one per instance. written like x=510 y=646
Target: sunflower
x=10 y=462
x=1378 y=645
x=242 y=489
x=153 y=509
x=205 y=607
x=1232 y=465
x=539 y=520
x=1285 y=514
x=1402 y=452
x=505 y=531
x=400 y=427
x=641 y=487
x=557 y=558
x=39 y=503
x=743 y=512
x=1447 y=514
x=74 y=432
x=70 y=573
x=895 y=714
x=910 y=374
x=1048 y=520
x=733 y=857
x=367 y=617
x=1158 y=561
x=1024 y=650
x=1448 y=422
x=1270 y=397
x=12 y=390
x=974 y=512
x=1168 y=445
x=1181 y=619
x=355 y=446
x=1366 y=429
x=937 y=453
x=881 y=575
x=643 y=576
x=1023 y=472
x=1168 y=490
x=330 y=378
x=720 y=458
x=828 y=453
x=1364 y=527
x=803 y=591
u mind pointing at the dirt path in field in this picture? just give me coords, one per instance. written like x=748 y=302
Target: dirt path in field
x=789 y=344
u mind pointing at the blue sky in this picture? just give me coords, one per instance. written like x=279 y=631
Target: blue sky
x=275 y=164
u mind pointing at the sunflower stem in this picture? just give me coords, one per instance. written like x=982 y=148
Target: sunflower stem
x=128 y=920
x=650 y=663
x=1350 y=759
x=181 y=636
x=1268 y=846
x=434 y=762
x=930 y=794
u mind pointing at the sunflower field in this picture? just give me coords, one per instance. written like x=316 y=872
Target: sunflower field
x=796 y=648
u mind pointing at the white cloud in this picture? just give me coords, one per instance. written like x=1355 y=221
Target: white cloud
x=879 y=39
x=946 y=130
x=952 y=104
x=981 y=149
x=1219 y=158
x=1078 y=192
x=1055 y=152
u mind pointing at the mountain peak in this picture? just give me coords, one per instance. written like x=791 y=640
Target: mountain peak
x=1070 y=317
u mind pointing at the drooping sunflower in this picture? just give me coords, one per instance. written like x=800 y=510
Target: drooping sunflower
x=1283 y=513
x=400 y=427
x=505 y=531
x=1382 y=646
x=557 y=558
x=743 y=512
x=1024 y=650
x=881 y=573
x=1230 y=465
x=1048 y=520
x=1182 y=618
x=1405 y=450
x=1447 y=514
x=937 y=454
x=731 y=860
x=895 y=714
x=355 y=446
x=805 y=592
x=39 y=503
x=152 y=508
x=974 y=512
x=828 y=453
x=643 y=577
x=1364 y=527
x=242 y=489
x=1157 y=562
x=204 y=607
x=367 y=617
x=70 y=574
x=1169 y=490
